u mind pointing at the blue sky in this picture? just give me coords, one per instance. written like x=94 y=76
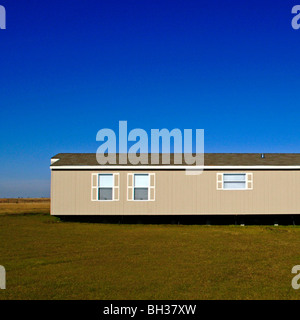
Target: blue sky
x=70 y=68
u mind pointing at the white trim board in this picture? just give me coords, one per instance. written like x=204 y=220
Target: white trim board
x=178 y=167
x=54 y=160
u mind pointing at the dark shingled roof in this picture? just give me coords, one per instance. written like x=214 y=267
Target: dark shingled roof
x=210 y=159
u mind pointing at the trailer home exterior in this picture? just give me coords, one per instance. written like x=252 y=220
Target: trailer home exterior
x=230 y=184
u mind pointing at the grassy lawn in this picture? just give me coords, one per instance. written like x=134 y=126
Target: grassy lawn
x=49 y=259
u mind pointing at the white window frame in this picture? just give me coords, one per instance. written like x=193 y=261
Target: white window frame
x=114 y=187
x=132 y=187
x=248 y=181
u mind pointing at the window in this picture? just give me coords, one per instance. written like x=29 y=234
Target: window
x=141 y=187
x=234 y=181
x=105 y=186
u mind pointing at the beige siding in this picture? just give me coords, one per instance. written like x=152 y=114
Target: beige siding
x=274 y=192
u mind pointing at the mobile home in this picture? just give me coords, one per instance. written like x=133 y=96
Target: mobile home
x=230 y=184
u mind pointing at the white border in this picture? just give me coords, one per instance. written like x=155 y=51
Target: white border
x=54 y=160
x=167 y=167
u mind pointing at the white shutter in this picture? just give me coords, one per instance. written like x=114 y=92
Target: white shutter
x=219 y=181
x=116 y=187
x=130 y=186
x=152 y=186
x=249 y=181
x=94 y=188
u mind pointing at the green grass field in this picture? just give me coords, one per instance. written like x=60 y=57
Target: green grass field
x=48 y=259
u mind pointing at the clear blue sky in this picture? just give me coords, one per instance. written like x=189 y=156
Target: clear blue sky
x=69 y=68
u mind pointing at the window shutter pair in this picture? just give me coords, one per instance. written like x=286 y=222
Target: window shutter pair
x=95 y=186
x=130 y=186
x=249 y=181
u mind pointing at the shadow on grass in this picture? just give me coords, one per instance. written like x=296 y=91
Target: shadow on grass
x=189 y=220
